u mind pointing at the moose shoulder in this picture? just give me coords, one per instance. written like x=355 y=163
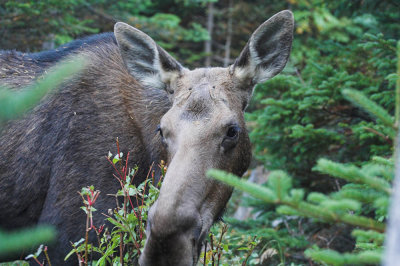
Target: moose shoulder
x=134 y=90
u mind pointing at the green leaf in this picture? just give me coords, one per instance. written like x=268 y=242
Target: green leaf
x=84 y=209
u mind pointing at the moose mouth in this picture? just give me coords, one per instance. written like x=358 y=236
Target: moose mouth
x=178 y=245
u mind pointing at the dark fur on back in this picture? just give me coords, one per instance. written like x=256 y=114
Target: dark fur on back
x=72 y=47
x=60 y=146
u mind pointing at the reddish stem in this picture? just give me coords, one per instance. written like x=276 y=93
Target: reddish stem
x=133 y=208
x=38 y=262
x=118 y=147
x=115 y=167
x=126 y=165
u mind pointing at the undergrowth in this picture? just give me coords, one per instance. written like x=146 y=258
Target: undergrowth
x=123 y=241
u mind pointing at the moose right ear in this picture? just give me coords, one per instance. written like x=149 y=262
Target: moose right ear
x=267 y=51
x=147 y=62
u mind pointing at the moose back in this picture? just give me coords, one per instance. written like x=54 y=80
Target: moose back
x=159 y=110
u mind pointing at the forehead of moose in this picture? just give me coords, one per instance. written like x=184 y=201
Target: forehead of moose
x=203 y=91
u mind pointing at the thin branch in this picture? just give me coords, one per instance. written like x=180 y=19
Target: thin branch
x=386 y=138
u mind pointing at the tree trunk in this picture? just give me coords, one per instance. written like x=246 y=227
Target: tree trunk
x=210 y=26
x=392 y=250
x=392 y=256
x=228 y=35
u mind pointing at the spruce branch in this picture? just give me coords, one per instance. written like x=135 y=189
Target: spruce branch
x=259 y=192
x=384 y=161
x=332 y=257
x=15 y=241
x=368 y=236
x=292 y=205
x=353 y=174
x=14 y=104
x=359 y=99
x=327 y=215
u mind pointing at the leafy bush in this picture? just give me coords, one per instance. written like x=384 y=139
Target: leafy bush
x=121 y=243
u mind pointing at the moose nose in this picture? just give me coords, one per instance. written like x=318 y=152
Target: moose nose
x=171 y=233
x=174 y=220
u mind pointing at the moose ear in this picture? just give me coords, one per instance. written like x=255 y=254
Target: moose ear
x=267 y=51
x=147 y=62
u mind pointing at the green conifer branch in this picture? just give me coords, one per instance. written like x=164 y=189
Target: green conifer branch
x=307 y=209
x=332 y=257
x=368 y=236
x=14 y=103
x=327 y=215
x=385 y=161
x=361 y=194
x=24 y=239
x=352 y=174
x=359 y=99
x=259 y=192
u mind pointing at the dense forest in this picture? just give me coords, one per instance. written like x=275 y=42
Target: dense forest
x=323 y=131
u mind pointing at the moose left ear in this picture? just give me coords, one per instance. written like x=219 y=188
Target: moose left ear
x=267 y=51
x=147 y=62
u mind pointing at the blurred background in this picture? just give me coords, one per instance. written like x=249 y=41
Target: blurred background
x=294 y=119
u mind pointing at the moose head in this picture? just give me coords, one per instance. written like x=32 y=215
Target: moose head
x=203 y=129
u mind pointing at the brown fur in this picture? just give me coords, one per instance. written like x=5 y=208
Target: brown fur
x=59 y=147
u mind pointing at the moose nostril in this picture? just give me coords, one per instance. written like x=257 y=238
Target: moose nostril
x=197 y=231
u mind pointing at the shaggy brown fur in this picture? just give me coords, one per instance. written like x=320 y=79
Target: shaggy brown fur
x=60 y=146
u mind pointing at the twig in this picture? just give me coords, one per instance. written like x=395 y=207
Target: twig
x=38 y=262
x=47 y=255
x=300 y=77
x=386 y=138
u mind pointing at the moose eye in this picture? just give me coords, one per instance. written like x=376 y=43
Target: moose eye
x=233 y=132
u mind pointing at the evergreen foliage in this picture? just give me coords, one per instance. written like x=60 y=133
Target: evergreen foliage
x=361 y=203
x=303 y=116
x=15 y=242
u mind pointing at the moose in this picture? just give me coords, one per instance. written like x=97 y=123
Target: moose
x=132 y=89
